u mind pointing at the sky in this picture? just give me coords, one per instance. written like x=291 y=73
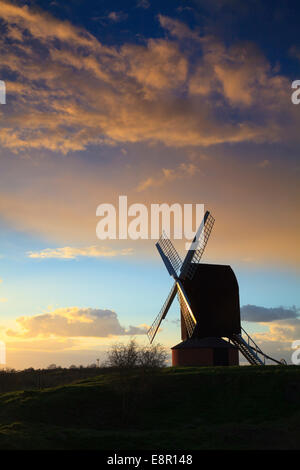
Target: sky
x=182 y=101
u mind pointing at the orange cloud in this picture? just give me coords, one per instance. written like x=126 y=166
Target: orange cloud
x=88 y=93
x=69 y=252
x=42 y=25
x=264 y=164
x=258 y=224
x=169 y=174
x=178 y=29
x=151 y=94
x=161 y=65
x=74 y=322
x=283 y=331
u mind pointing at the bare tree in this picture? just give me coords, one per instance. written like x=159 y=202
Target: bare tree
x=131 y=355
x=123 y=356
x=153 y=356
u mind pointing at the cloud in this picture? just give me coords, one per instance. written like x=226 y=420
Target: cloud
x=167 y=174
x=74 y=322
x=264 y=164
x=161 y=66
x=117 y=16
x=143 y=4
x=68 y=252
x=295 y=52
x=281 y=331
x=41 y=25
x=3 y=299
x=178 y=29
x=241 y=76
x=72 y=91
x=97 y=94
x=282 y=325
x=254 y=313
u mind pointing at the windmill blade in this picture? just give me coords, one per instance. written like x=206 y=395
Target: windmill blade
x=169 y=255
x=162 y=314
x=186 y=310
x=198 y=245
x=194 y=245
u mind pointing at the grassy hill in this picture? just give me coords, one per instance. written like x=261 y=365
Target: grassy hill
x=175 y=408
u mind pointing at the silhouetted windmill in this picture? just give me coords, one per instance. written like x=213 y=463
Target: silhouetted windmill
x=208 y=295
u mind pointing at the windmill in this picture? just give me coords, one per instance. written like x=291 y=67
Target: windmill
x=208 y=296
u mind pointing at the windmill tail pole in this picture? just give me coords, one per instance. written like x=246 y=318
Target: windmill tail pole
x=281 y=363
x=251 y=351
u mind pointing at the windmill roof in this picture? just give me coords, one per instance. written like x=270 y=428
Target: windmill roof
x=210 y=342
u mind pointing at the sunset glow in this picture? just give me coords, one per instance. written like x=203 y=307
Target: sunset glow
x=165 y=102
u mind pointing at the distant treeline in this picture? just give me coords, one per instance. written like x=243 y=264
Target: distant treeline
x=121 y=357
x=37 y=379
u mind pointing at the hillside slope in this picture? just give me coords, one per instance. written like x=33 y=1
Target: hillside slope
x=176 y=408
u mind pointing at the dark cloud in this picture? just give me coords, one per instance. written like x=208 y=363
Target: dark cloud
x=254 y=313
x=143 y=4
x=117 y=16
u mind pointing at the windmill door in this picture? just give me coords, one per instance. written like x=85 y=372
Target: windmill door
x=221 y=357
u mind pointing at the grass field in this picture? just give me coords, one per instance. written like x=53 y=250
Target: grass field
x=174 y=408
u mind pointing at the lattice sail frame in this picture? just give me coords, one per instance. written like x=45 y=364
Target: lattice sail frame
x=162 y=314
x=187 y=269
x=188 y=316
x=168 y=249
x=201 y=244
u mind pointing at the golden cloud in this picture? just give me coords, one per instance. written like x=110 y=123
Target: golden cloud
x=283 y=331
x=168 y=174
x=84 y=92
x=69 y=252
x=74 y=322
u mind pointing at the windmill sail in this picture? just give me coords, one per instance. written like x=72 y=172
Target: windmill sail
x=186 y=310
x=169 y=255
x=162 y=314
x=216 y=314
x=194 y=255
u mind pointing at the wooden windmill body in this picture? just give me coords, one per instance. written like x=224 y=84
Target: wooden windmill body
x=208 y=295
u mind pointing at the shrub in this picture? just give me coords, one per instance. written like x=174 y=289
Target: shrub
x=131 y=355
x=153 y=356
